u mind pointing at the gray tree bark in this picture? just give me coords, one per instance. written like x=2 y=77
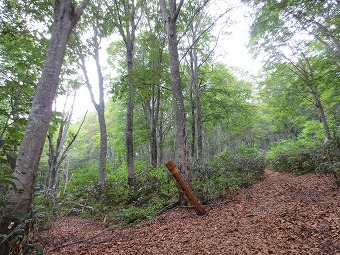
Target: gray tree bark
x=64 y=19
x=181 y=143
x=312 y=86
x=100 y=106
x=128 y=32
x=152 y=108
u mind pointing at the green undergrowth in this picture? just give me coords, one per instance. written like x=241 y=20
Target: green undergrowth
x=122 y=205
x=155 y=189
x=306 y=156
x=230 y=171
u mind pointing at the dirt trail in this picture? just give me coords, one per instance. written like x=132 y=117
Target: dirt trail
x=284 y=214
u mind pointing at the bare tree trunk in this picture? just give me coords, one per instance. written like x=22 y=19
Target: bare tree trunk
x=128 y=30
x=57 y=154
x=199 y=131
x=197 y=108
x=193 y=117
x=54 y=160
x=318 y=104
x=64 y=19
x=160 y=140
x=130 y=154
x=181 y=142
x=312 y=84
x=100 y=106
x=150 y=113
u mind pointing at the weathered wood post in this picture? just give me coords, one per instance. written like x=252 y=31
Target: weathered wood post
x=193 y=200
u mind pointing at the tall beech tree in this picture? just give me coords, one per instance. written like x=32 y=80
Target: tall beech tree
x=199 y=50
x=170 y=11
x=150 y=74
x=98 y=104
x=126 y=20
x=65 y=17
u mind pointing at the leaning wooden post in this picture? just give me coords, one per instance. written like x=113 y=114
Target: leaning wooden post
x=198 y=207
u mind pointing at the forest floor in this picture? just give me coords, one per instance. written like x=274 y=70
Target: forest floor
x=284 y=214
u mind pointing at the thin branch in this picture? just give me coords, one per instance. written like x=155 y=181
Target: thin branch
x=73 y=139
x=197 y=11
x=203 y=32
x=77 y=242
x=178 y=9
x=79 y=11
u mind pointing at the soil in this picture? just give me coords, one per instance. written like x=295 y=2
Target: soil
x=284 y=214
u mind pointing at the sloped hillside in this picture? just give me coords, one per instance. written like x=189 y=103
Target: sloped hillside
x=284 y=214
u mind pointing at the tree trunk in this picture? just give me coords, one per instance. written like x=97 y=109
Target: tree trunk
x=197 y=128
x=193 y=118
x=199 y=131
x=57 y=152
x=318 y=104
x=52 y=161
x=100 y=106
x=129 y=144
x=160 y=140
x=65 y=18
x=181 y=142
x=103 y=146
x=127 y=30
x=312 y=84
x=130 y=154
x=152 y=119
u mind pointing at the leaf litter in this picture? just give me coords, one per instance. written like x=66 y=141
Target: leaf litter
x=284 y=214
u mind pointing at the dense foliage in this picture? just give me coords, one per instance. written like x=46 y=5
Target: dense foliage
x=286 y=118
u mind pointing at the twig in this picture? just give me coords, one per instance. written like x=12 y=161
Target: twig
x=168 y=207
x=76 y=242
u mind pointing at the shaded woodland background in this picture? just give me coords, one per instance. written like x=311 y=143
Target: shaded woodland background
x=158 y=97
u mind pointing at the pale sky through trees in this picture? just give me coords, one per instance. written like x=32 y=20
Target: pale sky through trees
x=231 y=50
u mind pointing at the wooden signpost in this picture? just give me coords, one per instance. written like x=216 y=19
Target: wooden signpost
x=193 y=200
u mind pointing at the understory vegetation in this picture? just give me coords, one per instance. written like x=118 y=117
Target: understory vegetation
x=155 y=189
x=155 y=99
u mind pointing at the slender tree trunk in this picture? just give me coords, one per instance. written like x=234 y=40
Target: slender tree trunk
x=199 y=131
x=154 y=141
x=318 y=104
x=160 y=140
x=152 y=108
x=52 y=160
x=197 y=113
x=127 y=30
x=152 y=119
x=65 y=18
x=130 y=154
x=57 y=153
x=181 y=141
x=100 y=106
x=54 y=152
x=193 y=118
x=312 y=84
x=102 y=147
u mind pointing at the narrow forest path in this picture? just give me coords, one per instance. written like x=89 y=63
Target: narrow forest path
x=284 y=214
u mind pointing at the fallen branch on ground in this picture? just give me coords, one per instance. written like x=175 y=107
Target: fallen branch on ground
x=77 y=242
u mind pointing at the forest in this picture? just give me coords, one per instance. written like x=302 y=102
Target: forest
x=160 y=88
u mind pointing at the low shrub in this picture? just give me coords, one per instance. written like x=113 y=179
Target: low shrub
x=319 y=158
x=125 y=204
x=228 y=171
